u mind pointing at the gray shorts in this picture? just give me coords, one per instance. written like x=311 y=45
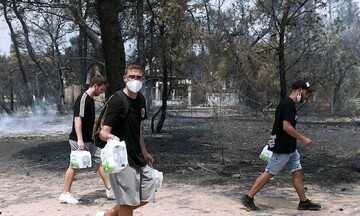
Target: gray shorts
x=88 y=146
x=133 y=185
x=279 y=161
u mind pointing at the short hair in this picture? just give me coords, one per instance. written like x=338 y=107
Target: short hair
x=98 y=80
x=132 y=67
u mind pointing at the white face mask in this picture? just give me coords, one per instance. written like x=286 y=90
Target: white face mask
x=134 y=85
x=299 y=97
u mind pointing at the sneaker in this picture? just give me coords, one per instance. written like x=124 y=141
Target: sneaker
x=110 y=194
x=249 y=203
x=100 y=213
x=308 y=205
x=68 y=198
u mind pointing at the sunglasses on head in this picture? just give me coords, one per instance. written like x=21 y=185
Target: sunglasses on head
x=135 y=77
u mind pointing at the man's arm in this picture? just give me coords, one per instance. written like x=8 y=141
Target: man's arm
x=149 y=159
x=78 y=130
x=288 y=128
x=105 y=133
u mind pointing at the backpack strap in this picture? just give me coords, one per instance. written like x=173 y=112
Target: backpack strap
x=124 y=99
x=98 y=125
x=142 y=98
x=100 y=119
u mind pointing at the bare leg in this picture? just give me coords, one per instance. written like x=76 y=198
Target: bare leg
x=259 y=183
x=298 y=184
x=104 y=176
x=141 y=204
x=123 y=210
x=69 y=178
x=113 y=212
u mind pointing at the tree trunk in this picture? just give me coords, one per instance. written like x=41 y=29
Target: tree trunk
x=3 y=105
x=282 y=65
x=61 y=91
x=141 y=52
x=152 y=75
x=281 y=49
x=141 y=34
x=164 y=80
x=83 y=72
x=85 y=29
x=11 y=92
x=336 y=92
x=113 y=45
x=18 y=55
x=335 y=98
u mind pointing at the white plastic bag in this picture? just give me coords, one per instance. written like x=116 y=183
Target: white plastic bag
x=265 y=154
x=158 y=176
x=114 y=156
x=80 y=159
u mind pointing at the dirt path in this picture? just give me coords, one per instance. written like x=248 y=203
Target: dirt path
x=38 y=195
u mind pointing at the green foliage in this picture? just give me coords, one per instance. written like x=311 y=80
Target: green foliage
x=225 y=67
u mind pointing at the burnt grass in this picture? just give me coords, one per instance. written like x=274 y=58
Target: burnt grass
x=209 y=151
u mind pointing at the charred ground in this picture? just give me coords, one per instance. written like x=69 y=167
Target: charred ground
x=206 y=151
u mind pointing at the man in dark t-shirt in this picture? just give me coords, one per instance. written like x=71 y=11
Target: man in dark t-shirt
x=135 y=185
x=283 y=146
x=284 y=142
x=80 y=137
x=127 y=128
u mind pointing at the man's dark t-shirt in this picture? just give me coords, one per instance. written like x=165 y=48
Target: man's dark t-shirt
x=127 y=128
x=85 y=109
x=284 y=143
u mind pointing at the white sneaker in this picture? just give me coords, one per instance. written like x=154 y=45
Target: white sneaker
x=100 y=213
x=110 y=194
x=68 y=198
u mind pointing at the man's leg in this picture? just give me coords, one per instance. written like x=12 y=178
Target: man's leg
x=123 y=210
x=130 y=175
x=259 y=183
x=248 y=199
x=69 y=178
x=66 y=196
x=295 y=167
x=104 y=176
x=96 y=157
x=304 y=203
x=275 y=165
x=70 y=172
x=141 y=204
x=298 y=184
x=113 y=212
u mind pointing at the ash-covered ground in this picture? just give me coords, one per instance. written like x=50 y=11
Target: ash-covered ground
x=200 y=150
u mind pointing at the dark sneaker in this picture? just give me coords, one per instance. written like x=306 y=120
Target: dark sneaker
x=308 y=205
x=249 y=203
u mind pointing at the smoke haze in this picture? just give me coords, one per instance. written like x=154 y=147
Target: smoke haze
x=34 y=126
